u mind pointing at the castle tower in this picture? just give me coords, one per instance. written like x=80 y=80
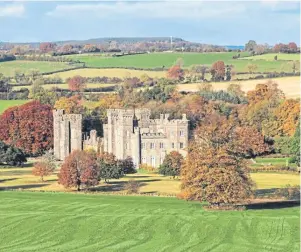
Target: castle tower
x=67 y=133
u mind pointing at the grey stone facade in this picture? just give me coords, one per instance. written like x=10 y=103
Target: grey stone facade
x=131 y=133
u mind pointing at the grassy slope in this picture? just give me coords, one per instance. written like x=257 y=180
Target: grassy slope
x=289 y=85
x=270 y=56
x=67 y=222
x=5 y=104
x=8 y=68
x=168 y=59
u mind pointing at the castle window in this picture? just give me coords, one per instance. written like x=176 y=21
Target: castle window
x=161 y=145
x=181 y=145
x=181 y=133
x=173 y=145
x=153 y=161
x=143 y=160
x=152 y=145
x=143 y=146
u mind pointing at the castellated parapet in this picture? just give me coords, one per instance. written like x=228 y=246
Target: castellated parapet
x=127 y=133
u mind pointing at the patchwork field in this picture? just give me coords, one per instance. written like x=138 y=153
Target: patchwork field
x=158 y=60
x=9 y=68
x=69 y=222
x=121 y=73
x=5 y=104
x=270 y=56
x=289 y=85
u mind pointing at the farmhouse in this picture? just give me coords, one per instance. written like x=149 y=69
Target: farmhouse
x=128 y=133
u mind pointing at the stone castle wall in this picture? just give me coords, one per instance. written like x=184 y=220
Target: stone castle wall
x=127 y=133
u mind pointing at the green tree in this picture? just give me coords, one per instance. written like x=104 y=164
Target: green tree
x=11 y=155
x=295 y=147
x=109 y=167
x=250 y=46
x=172 y=164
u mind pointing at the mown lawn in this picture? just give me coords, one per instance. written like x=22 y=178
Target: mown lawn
x=158 y=60
x=5 y=104
x=9 y=68
x=69 y=222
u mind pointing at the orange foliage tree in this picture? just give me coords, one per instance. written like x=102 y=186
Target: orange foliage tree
x=28 y=127
x=175 y=73
x=77 y=83
x=71 y=105
x=218 y=71
x=215 y=170
x=287 y=117
x=79 y=169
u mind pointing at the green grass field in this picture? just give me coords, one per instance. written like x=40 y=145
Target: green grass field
x=82 y=223
x=9 y=68
x=270 y=56
x=5 y=104
x=168 y=59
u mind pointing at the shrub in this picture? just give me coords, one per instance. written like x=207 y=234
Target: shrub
x=132 y=186
x=289 y=192
x=147 y=168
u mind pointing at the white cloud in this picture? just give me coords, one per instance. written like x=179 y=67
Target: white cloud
x=163 y=9
x=12 y=10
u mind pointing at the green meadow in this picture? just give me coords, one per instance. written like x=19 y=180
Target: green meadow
x=5 y=104
x=40 y=221
x=158 y=60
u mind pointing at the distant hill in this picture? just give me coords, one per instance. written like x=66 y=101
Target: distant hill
x=234 y=47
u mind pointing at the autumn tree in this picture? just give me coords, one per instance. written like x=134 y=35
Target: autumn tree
x=215 y=170
x=79 y=169
x=28 y=127
x=218 y=71
x=235 y=89
x=175 y=73
x=252 y=68
x=292 y=46
x=295 y=145
x=45 y=166
x=77 y=83
x=47 y=47
x=287 y=117
x=172 y=164
x=71 y=105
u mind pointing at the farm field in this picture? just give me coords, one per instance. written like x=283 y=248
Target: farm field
x=65 y=86
x=270 y=56
x=158 y=60
x=15 y=178
x=289 y=85
x=37 y=221
x=5 y=104
x=9 y=68
x=121 y=73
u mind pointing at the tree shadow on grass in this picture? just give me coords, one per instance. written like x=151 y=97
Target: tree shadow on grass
x=137 y=177
x=5 y=180
x=273 y=205
x=5 y=188
x=115 y=186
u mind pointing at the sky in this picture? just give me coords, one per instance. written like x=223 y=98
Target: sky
x=212 y=22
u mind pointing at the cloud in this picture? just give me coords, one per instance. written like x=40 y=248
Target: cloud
x=12 y=10
x=164 y=9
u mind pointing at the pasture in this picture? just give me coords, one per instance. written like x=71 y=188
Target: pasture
x=158 y=60
x=289 y=85
x=121 y=73
x=271 y=56
x=5 y=104
x=9 y=68
x=37 y=221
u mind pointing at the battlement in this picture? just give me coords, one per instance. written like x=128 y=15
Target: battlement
x=60 y=114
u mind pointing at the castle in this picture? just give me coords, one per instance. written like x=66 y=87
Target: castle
x=127 y=133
